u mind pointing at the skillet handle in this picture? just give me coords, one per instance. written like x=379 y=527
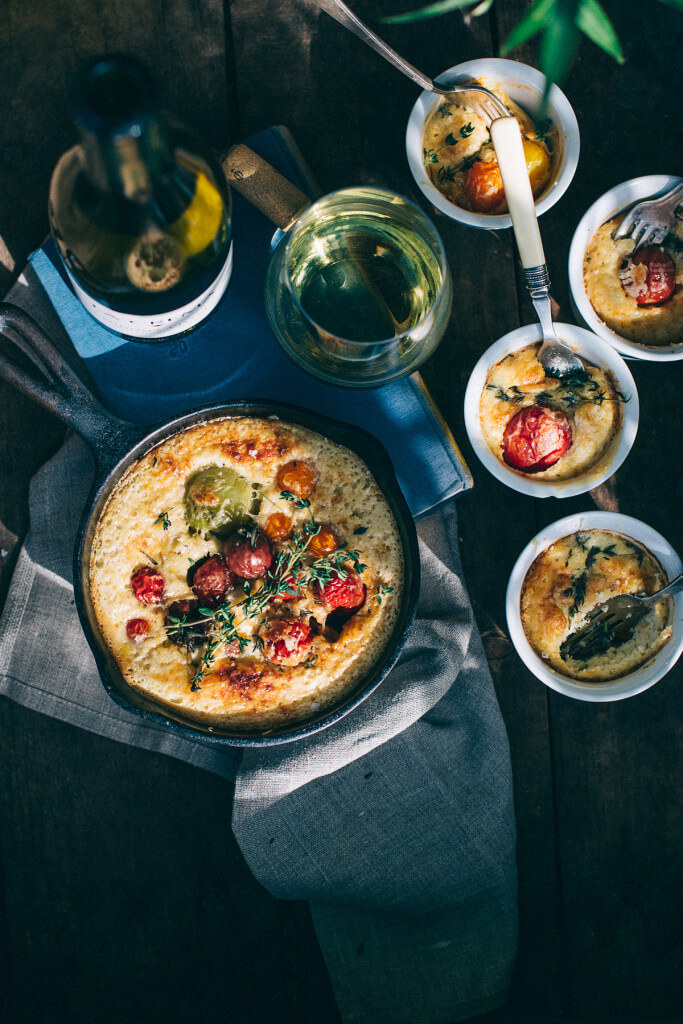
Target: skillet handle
x=57 y=387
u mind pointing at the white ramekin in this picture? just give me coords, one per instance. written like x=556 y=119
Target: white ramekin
x=589 y=347
x=640 y=678
x=607 y=206
x=525 y=86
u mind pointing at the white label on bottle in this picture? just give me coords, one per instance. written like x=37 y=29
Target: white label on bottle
x=162 y=325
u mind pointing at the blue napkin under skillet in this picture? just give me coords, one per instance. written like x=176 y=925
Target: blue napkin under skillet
x=234 y=355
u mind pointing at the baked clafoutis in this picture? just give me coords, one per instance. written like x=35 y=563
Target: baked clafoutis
x=555 y=429
x=247 y=573
x=637 y=292
x=574 y=575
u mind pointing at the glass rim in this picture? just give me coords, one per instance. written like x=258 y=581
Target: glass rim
x=381 y=194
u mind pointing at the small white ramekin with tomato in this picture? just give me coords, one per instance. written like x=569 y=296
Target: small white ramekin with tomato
x=470 y=189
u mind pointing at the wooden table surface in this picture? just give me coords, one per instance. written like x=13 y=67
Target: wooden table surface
x=124 y=896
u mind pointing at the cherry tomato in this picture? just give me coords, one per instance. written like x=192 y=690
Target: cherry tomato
x=536 y=438
x=286 y=641
x=342 y=593
x=211 y=580
x=148 y=585
x=185 y=625
x=324 y=542
x=661 y=275
x=278 y=526
x=137 y=629
x=248 y=554
x=537 y=164
x=484 y=186
x=297 y=477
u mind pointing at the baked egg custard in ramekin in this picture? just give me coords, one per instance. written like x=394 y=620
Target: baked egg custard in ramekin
x=637 y=295
x=461 y=160
x=574 y=575
x=555 y=429
x=247 y=573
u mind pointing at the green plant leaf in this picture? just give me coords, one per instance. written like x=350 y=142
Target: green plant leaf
x=592 y=20
x=559 y=43
x=430 y=11
x=678 y=4
x=482 y=8
x=529 y=26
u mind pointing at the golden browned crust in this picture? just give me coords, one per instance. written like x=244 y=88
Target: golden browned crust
x=145 y=523
x=594 y=410
x=645 y=325
x=570 y=578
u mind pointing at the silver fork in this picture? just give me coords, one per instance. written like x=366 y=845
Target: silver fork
x=649 y=222
x=615 y=619
x=476 y=98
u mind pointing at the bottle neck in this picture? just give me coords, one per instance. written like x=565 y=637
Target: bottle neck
x=127 y=163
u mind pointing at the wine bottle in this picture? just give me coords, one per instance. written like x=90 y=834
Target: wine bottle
x=140 y=210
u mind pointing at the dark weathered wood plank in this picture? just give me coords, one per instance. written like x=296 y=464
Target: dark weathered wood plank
x=615 y=766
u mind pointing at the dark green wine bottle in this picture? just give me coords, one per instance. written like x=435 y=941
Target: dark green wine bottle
x=140 y=210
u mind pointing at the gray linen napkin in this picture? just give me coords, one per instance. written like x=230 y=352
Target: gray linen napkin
x=405 y=849
x=396 y=823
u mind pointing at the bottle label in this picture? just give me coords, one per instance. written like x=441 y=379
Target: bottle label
x=162 y=325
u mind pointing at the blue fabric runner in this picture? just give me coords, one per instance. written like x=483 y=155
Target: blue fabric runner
x=235 y=356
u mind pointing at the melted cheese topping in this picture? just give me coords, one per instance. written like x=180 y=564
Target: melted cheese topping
x=575 y=574
x=447 y=164
x=645 y=325
x=519 y=381
x=243 y=692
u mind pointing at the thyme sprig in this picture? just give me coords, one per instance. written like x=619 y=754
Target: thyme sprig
x=431 y=156
x=579 y=583
x=515 y=396
x=163 y=520
x=289 y=574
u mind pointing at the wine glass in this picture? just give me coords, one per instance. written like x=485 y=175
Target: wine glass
x=358 y=291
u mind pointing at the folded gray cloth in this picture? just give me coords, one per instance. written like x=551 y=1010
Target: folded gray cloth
x=395 y=823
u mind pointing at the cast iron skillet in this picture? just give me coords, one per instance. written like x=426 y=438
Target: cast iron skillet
x=117 y=444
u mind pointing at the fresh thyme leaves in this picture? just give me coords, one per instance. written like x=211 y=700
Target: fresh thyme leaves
x=290 y=572
x=287 y=495
x=383 y=589
x=516 y=395
x=577 y=591
x=446 y=173
x=431 y=156
x=580 y=579
x=147 y=556
x=571 y=392
x=543 y=130
x=445 y=110
x=592 y=555
x=360 y=529
x=154 y=461
x=163 y=520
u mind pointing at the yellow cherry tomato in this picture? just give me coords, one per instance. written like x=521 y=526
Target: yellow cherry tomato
x=537 y=163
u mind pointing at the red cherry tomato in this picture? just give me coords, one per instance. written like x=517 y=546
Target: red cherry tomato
x=295 y=583
x=137 y=629
x=211 y=580
x=248 y=554
x=148 y=585
x=286 y=641
x=484 y=186
x=536 y=438
x=342 y=593
x=661 y=276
